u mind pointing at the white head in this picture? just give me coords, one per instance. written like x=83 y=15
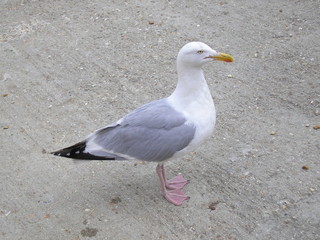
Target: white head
x=195 y=54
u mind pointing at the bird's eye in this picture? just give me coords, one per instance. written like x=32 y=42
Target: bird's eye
x=200 y=51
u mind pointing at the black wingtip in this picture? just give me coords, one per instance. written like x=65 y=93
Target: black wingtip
x=77 y=151
x=72 y=151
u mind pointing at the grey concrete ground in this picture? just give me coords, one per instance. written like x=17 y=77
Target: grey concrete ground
x=69 y=67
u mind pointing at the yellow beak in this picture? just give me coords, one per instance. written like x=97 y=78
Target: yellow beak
x=222 y=57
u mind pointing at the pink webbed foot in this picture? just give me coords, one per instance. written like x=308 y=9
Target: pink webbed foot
x=177 y=182
x=172 y=189
x=176 y=196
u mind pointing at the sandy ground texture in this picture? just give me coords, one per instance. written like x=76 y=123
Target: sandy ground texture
x=69 y=67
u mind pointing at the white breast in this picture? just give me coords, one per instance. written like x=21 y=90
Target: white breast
x=200 y=112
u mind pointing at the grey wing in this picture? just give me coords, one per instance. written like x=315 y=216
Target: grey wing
x=153 y=132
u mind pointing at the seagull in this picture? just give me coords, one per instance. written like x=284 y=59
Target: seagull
x=164 y=129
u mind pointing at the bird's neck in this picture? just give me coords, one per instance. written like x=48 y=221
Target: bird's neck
x=191 y=85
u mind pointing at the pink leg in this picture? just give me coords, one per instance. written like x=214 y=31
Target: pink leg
x=175 y=196
x=178 y=182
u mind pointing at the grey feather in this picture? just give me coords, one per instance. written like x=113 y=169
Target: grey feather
x=153 y=132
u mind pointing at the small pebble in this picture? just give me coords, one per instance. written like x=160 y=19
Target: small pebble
x=115 y=200
x=273 y=133
x=213 y=206
x=230 y=76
